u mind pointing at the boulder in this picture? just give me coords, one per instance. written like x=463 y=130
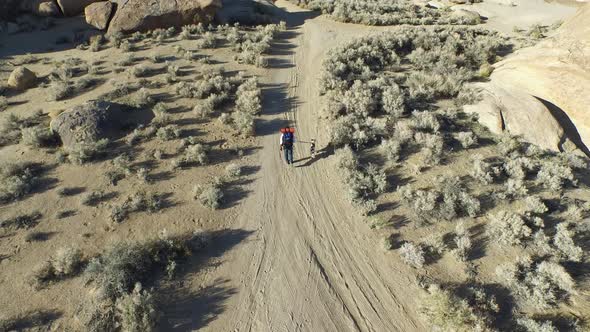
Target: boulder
x=73 y=7
x=141 y=15
x=95 y=120
x=22 y=79
x=556 y=71
x=45 y=8
x=98 y=14
x=247 y=12
x=506 y=109
x=468 y=14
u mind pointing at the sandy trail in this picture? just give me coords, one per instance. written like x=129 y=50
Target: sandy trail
x=310 y=263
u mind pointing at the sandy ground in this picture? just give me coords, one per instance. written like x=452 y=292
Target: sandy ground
x=296 y=255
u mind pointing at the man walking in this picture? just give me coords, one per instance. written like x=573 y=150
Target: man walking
x=287 y=140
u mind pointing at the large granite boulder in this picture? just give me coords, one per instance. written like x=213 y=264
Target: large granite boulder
x=247 y=12
x=506 y=109
x=556 y=72
x=73 y=7
x=98 y=14
x=95 y=120
x=141 y=15
x=22 y=79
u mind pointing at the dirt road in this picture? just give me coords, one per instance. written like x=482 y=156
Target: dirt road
x=310 y=263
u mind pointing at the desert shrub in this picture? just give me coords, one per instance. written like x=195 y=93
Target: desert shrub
x=208 y=40
x=446 y=203
x=141 y=99
x=448 y=312
x=233 y=170
x=534 y=204
x=463 y=242
x=467 y=139
x=412 y=254
x=3 y=103
x=392 y=149
x=37 y=136
x=248 y=97
x=530 y=325
x=93 y=198
x=243 y=122
x=542 y=284
x=564 y=242
x=194 y=154
x=137 y=310
x=83 y=152
x=432 y=148
x=518 y=168
x=509 y=146
x=168 y=133
x=140 y=70
x=209 y=195
x=16 y=180
x=21 y=221
x=508 y=228
x=140 y=201
x=482 y=170
x=554 y=176
x=385 y=12
x=65 y=262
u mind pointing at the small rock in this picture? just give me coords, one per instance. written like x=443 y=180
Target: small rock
x=73 y=7
x=46 y=8
x=22 y=79
x=98 y=14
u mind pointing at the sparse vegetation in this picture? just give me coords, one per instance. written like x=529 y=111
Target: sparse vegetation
x=140 y=201
x=16 y=180
x=65 y=262
x=209 y=195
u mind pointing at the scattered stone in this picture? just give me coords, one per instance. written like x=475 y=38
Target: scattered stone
x=98 y=14
x=22 y=79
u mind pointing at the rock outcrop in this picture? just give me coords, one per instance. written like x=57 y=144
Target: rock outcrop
x=98 y=14
x=22 y=79
x=508 y=109
x=557 y=73
x=73 y=7
x=246 y=12
x=95 y=120
x=141 y=15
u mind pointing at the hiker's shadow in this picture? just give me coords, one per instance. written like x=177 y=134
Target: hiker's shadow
x=321 y=154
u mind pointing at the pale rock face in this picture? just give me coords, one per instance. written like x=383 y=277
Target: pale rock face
x=22 y=79
x=556 y=71
x=141 y=15
x=98 y=14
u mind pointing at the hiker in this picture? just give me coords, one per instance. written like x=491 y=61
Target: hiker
x=312 y=148
x=287 y=140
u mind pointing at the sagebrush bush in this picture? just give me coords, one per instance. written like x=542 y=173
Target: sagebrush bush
x=448 y=312
x=233 y=170
x=412 y=254
x=209 y=195
x=531 y=325
x=564 y=242
x=248 y=97
x=467 y=139
x=446 y=203
x=84 y=152
x=554 y=176
x=21 y=221
x=37 y=136
x=385 y=12
x=508 y=228
x=16 y=180
x=542 y=284
x=65 y=262
x=168 y=133
x=463 y=242
x=140 y=201
x=482 y=171
x=137 y=310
